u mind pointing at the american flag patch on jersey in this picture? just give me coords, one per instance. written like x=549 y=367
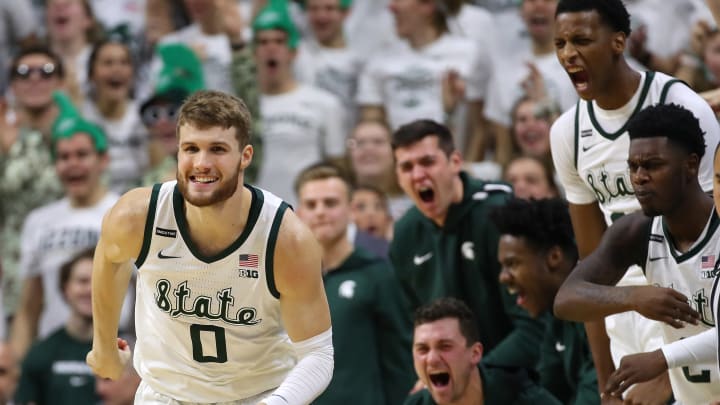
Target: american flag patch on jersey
x=250 y=260
x=707 y=262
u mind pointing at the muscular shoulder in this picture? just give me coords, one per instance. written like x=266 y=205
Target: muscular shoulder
x=297 y=253
x=563 y=128
x=124 y=224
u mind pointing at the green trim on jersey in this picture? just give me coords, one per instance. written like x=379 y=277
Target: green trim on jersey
x=179 y=208
x=270 y=252
x=649 y=75
x=666 y=89
x=714 y=222
x=577 y=131
x=147 y=235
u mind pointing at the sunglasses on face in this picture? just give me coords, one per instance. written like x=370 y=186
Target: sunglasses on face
x=154 y=113
x=24 y=71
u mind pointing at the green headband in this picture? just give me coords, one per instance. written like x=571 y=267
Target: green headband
x=275 y=16
x=69 y=123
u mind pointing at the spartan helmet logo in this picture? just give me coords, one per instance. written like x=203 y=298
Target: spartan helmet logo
x=347 y=289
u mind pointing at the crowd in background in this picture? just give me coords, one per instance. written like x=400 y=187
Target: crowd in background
x=325 y=80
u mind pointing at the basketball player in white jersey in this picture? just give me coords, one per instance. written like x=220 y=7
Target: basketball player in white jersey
x=589 y=147
x=698 y=349
x=674 y=240
x=230 y=302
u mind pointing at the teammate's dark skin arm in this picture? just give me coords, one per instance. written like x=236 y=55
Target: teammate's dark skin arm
x=589 y=292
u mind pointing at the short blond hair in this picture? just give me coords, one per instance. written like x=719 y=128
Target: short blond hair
x=209 y=108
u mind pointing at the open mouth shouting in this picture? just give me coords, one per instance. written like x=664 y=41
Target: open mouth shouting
x=580 y=78
x=426 y=194
x=439 y=380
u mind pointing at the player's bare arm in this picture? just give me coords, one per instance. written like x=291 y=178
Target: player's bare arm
x=298 y=278
x=304 y=311
x=589 y=293
x=119 y=244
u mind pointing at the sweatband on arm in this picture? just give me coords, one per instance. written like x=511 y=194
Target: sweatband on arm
x=700 y=348
x=310 y=376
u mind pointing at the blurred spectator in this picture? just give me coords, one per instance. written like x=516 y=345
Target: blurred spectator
x=447 y=352
x=532 y=72
x=300 y=124
x=429 y=75
x=370 y=211
x=530 y=130
x=362 y=292
x=531 y=177
x=71 y=31
x=372 y=163
x=18 y=26
x=215 y=26
x=54 y=232
x=9 y=373
x=651 y=43
x=127 y=16
x=369 y=27
x=110 y=106
x=26 y=170
x=325 y=59
x=699 y=66
x=54 y=371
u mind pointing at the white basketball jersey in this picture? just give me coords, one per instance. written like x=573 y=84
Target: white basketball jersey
x=693 y=274
x=209 y=328
x=590 y=145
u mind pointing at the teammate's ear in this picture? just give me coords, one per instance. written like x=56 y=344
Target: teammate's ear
x=554 y=257
x=693 y=165
x=247 y=155
x=619 y=41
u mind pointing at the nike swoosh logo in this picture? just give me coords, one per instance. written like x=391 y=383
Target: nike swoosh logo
x=559 y=347
x=587 y=148
x=418 y=260
x=162 y=256
x=652 y=259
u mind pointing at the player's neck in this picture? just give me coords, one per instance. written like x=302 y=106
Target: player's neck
x=686 y=229
x=625 y=82
x=214 y=228
x=335 y=253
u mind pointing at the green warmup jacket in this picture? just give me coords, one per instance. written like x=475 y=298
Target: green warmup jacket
x=460 y=260
x=501 y=386
x=372 y=334
x=54 y=372
x=566 y=367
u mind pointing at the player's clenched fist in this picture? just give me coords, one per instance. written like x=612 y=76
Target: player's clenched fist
x=112 y=364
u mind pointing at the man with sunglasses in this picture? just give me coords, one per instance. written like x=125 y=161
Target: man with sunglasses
x=26 y=170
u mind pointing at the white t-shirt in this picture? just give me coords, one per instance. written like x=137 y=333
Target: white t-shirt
x=127 y=145
x=52 y=235
x=298 y=129
x=335 y=70
x=506 y=84
x=407 y=82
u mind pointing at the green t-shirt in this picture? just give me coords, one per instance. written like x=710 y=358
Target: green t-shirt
x=501 y=386
x=54 y=372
